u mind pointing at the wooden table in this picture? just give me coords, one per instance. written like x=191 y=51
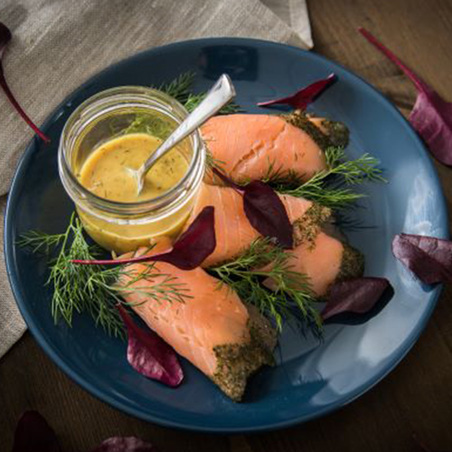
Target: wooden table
x=414 y=398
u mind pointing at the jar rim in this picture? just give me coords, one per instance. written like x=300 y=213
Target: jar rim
x=86 y=113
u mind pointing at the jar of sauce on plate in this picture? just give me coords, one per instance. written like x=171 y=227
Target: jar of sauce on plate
x=111 y=133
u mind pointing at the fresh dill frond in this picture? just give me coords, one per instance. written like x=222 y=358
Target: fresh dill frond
x=193 y=100
x=315 y=190
x=180 y=87
x=40 y=242
x=164 y=288
x=93 y=288
x=292 y=295
x=364 y=168
x=276 y=175
x=330 y=187
x=73 y=285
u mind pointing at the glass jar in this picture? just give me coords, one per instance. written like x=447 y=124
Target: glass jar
x=121 y=226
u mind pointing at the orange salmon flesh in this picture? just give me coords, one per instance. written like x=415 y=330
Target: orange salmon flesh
x=248 y=146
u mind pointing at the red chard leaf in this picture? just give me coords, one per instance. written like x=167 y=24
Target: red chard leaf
x=357 y=295
x=429 y=258
x=264 y=210
x=150 y=355
x=267 y=214
x=431 y=116
x=303 y=97
x=127 y=444
x=189 y=251
x=34 y=434
x=5 y=38
x=195 y=244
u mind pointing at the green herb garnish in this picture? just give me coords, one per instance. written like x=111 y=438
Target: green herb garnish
x=292 y=297
x=181 y=89
x=92 y=288
x=194 y=100
x=329 y=187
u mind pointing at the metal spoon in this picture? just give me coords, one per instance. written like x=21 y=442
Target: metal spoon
x=218 y=96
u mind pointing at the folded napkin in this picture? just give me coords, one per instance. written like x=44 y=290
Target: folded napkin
x=57 y=45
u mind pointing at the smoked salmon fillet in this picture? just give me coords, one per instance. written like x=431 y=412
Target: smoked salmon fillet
x=212 y=328
x=249 y=147
x=325 y=260
x=233 y=230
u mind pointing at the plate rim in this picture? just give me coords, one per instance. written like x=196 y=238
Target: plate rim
x=409 y=342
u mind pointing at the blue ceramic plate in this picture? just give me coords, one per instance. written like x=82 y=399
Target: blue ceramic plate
x=310 y=379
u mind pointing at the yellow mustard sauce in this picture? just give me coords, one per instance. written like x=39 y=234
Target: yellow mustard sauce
x=106 y=174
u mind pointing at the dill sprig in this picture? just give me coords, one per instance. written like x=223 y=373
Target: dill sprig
x=193 y=100
x=330 y=187
x=93 y=288
x=40 y=242
x=180 y=87
x=364 y=168
x=292 y=295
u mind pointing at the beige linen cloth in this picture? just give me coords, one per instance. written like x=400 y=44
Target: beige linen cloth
x=58 y=44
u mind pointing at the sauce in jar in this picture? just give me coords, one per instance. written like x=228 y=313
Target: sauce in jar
x=106 y=171
x=116 y=130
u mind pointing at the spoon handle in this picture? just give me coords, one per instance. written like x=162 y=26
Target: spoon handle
x=218 y=96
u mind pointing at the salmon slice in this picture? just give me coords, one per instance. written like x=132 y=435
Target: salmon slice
x=248 y=146
x=212 y=328
x=233 y=231
x=325 y=260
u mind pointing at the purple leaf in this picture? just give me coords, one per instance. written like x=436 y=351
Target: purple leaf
x=267 y=214
x=429 y=258
x=5 y=38
x=34 y=434
x=264 y=210
x=150 y=355
x=127 y=444
x=195 y=244
x=303 y=97
x=431 y=116
x=189 y=251
x=357 y=295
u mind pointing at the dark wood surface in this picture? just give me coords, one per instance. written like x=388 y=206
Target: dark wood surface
x=415 y=398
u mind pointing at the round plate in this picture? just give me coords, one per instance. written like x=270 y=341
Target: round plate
x=310 y=379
